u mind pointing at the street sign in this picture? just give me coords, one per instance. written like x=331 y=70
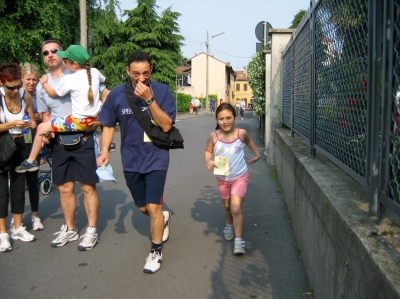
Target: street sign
x=260 y=31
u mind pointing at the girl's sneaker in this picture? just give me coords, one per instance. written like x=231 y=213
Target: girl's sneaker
x=37 y=223
x=21 y=234
x=5 y=244
x=228 y=232
x=239 y=248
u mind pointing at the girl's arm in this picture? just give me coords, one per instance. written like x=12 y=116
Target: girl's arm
x=50 y=91
x=208 y=153
x=29 y=109
x=250 y=144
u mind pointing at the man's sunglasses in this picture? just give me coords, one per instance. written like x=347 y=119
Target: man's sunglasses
x=54 y=51
x=13 y=87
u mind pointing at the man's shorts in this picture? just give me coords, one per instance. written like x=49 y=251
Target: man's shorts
x=236 y=187
x=146 y=187
x=74 y=165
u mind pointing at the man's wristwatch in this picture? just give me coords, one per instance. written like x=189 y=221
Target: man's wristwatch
x=149 y=101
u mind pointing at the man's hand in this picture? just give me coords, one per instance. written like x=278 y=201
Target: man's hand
x=103 y=159
x=93 y=126
x=143 y=91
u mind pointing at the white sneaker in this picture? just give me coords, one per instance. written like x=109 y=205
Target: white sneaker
x=21 y=234
x=37 y=223
x=239 y=247
x=64 y=236
x=5 y=244
x=89 y=239
x=167 y=225
x=228 y=232
x=153 y=262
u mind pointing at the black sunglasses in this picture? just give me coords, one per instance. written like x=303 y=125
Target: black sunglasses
x=45 y=53
x=13 y=87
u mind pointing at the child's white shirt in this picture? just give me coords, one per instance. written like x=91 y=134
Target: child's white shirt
x=78 y=85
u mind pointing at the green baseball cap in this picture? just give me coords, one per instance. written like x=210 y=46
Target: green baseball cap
x=75 y=53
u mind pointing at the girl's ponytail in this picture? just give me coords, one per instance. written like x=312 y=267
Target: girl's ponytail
x=89 y=75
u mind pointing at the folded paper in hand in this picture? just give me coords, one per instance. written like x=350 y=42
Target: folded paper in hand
x=105 y=173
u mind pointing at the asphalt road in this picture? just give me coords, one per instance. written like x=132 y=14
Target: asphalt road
x=197 y=261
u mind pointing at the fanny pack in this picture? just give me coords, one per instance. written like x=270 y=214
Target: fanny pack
x=72 y=141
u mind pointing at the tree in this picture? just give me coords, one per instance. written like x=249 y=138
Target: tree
x=256 y=77
x=143 y=30
x=297 y=18
x=25 y=24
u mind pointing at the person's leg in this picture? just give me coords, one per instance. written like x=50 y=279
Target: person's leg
x=68 y=204
x=91 y=202
x=156 y=222
x=4 y=200
x=42 y=129
x=225 y=193
x=237 y=214
x=17 y=195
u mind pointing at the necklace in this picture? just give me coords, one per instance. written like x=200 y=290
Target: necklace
x=58 y=75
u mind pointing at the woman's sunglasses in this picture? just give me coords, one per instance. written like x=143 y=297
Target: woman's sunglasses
x=13 y=87
x=54 y=51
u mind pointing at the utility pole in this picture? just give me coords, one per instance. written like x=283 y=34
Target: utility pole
x=207 y=67
x=83 y=21
x=208 y=54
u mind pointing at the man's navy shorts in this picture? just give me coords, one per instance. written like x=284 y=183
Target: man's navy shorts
x=146 y=187
x=77 y=165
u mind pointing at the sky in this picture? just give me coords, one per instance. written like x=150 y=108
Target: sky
x=236 y=18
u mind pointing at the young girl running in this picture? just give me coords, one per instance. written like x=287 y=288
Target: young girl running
x=83 y=84
x=226 y=143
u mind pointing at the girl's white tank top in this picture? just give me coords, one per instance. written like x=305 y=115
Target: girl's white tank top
x=233 y=150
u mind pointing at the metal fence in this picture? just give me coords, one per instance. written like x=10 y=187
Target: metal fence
x=341 y=91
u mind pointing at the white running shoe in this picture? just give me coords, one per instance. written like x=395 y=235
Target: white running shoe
x=228 y=232
x=5 y=244
x=153 y=262
x=167 y=225
x=64 y=236
x=239 y=248
x=21 y=234
x=89 y=239
x=37 y=223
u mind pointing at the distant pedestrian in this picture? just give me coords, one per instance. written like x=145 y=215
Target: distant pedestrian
x=237 y=106
x=197 y=105
x=221 y=101
x=212 y=107
x=242 y=107
x=226 y=144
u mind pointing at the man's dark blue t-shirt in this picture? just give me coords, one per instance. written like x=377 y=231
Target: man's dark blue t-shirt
x=137 y=155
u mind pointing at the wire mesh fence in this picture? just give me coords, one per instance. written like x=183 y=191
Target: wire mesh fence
x=329 y=61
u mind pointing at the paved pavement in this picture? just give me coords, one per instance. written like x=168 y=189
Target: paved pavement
x=198 y=263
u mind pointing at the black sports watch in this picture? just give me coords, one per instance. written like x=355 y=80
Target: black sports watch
x=149 y=101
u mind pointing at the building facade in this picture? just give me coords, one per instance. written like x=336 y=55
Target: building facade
x=242 y=89
x=192 y=79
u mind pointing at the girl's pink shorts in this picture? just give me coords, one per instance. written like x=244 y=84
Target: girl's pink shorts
x=237 y=187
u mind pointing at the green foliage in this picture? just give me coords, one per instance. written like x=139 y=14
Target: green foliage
x=183 y=101
x=297 y=18
x=143 y=30
x=256 y=77
x=25 y=24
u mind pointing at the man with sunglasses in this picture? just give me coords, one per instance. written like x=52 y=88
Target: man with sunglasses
x=145 y=165
x=69 y=166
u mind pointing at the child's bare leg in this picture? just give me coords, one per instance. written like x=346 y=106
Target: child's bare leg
x=237 y=214
x=42 y=129
x=227 y=211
